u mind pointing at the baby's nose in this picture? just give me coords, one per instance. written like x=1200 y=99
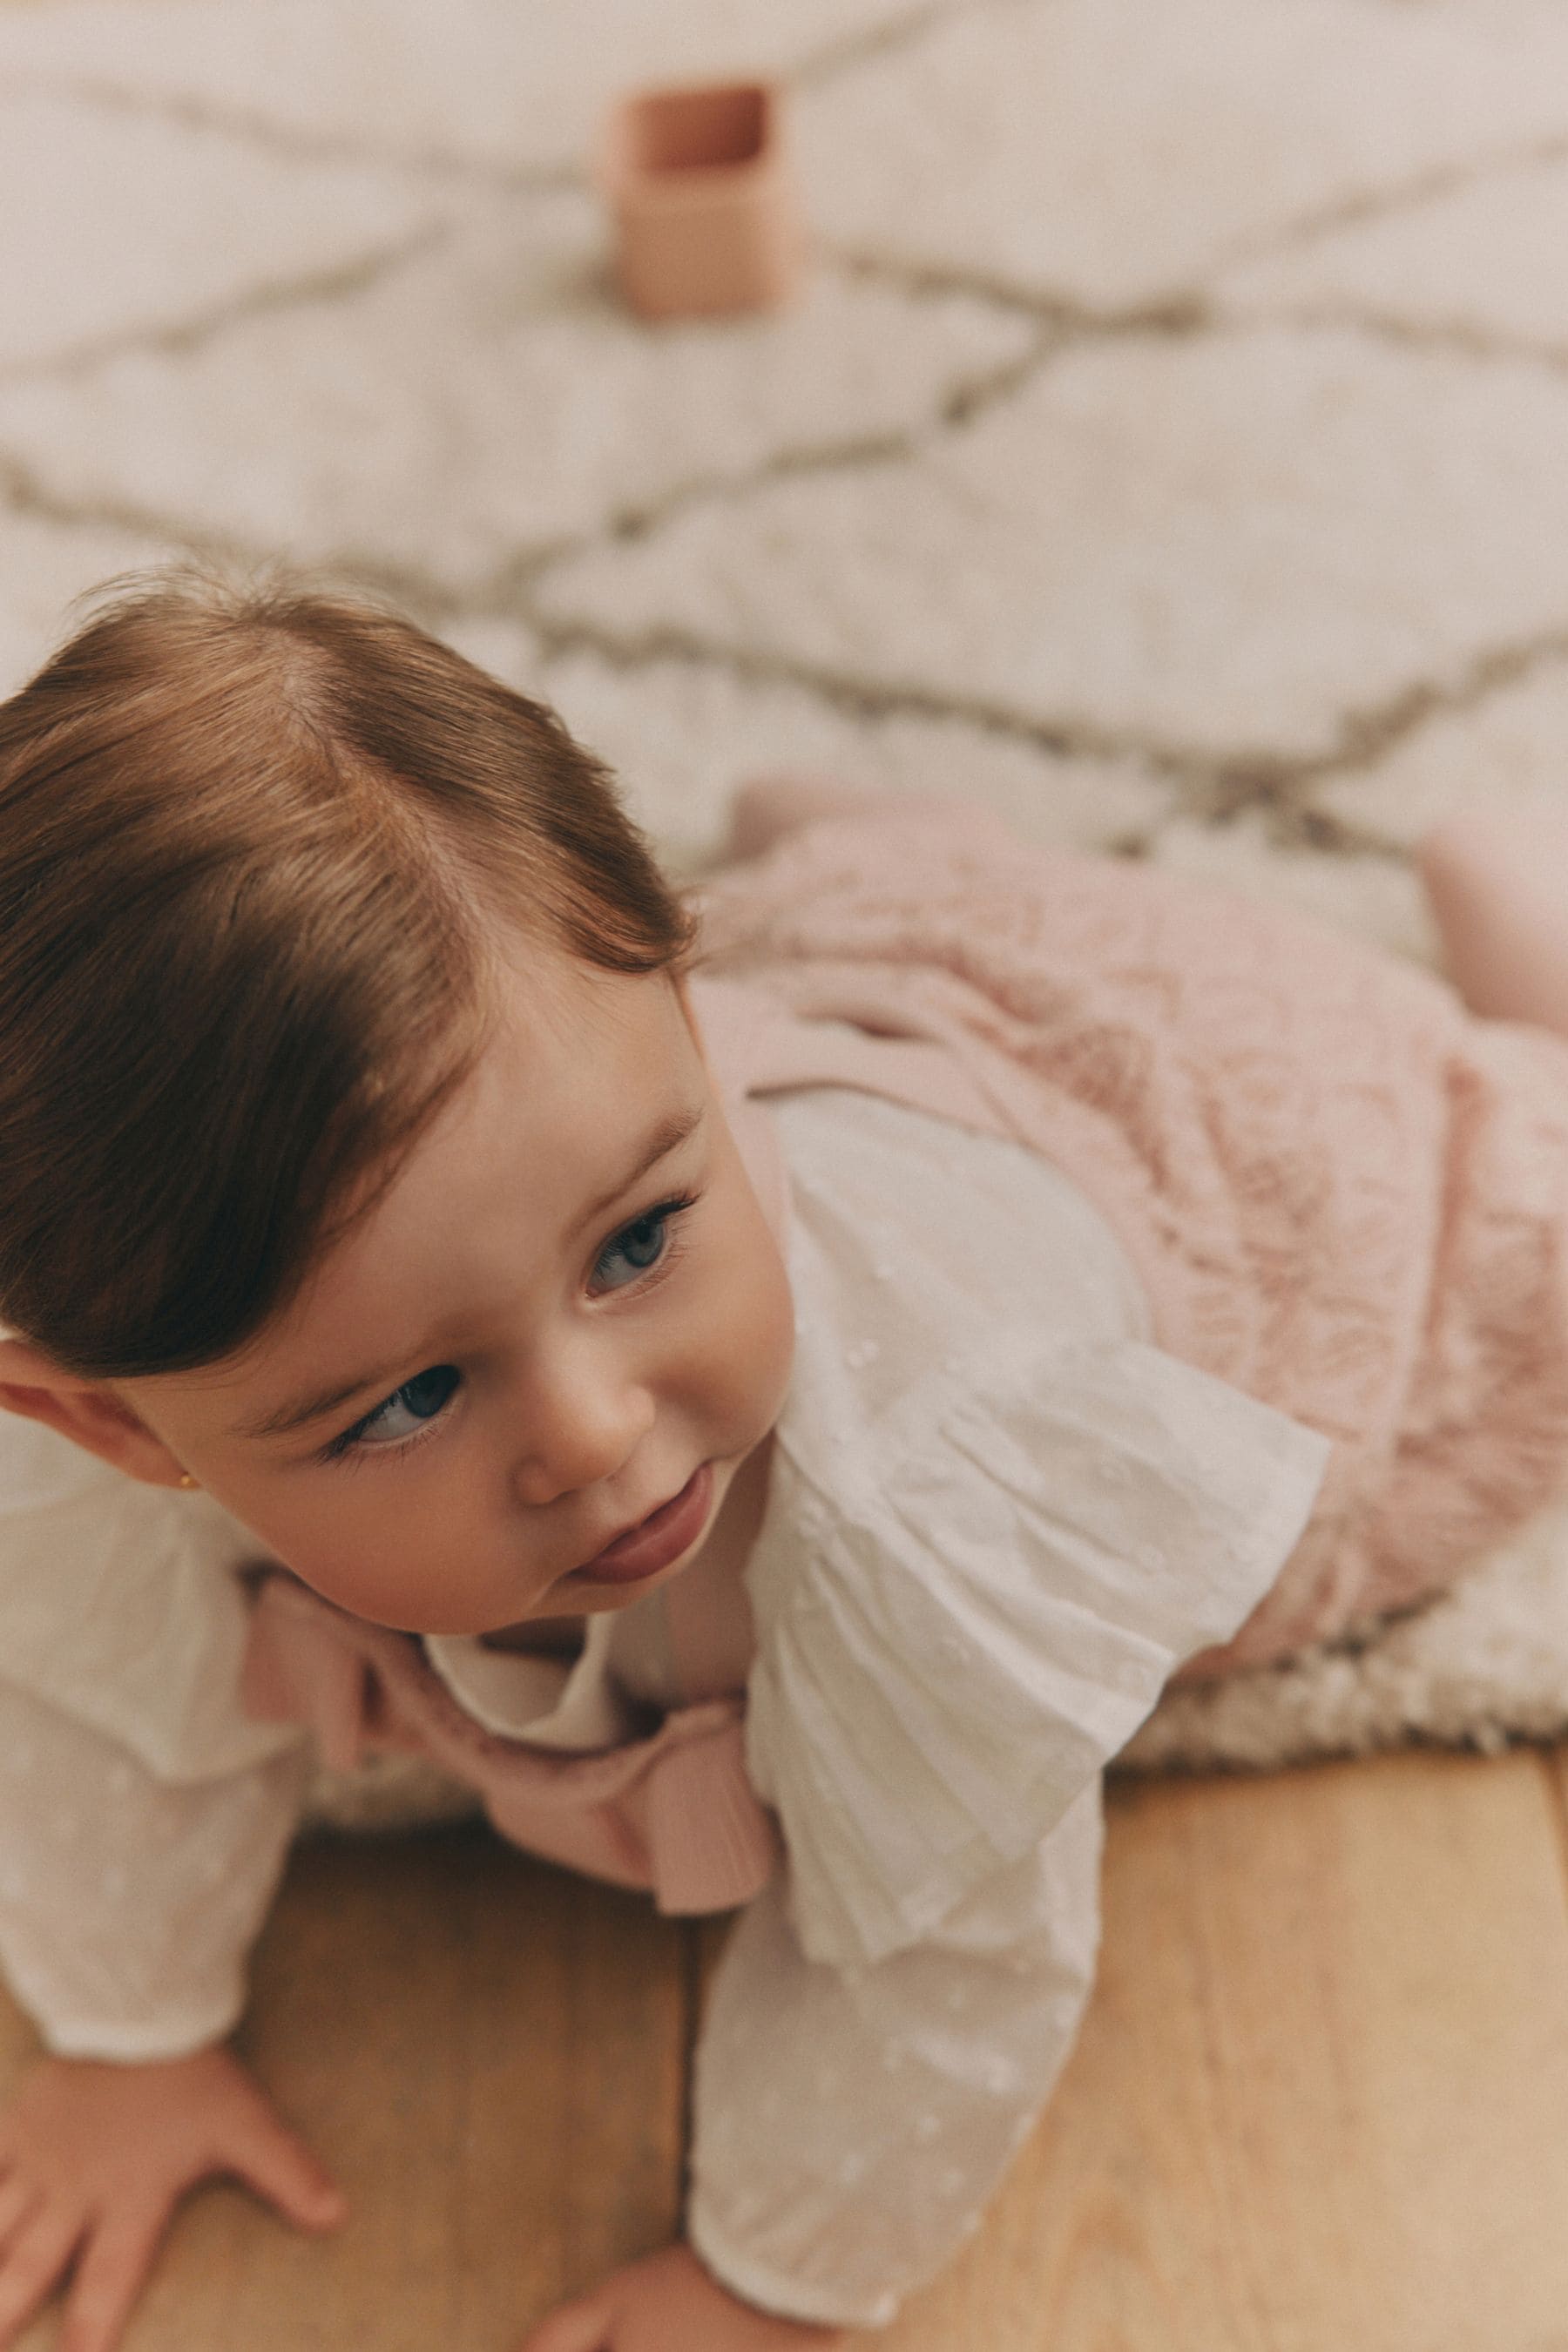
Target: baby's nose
x=582 y=1437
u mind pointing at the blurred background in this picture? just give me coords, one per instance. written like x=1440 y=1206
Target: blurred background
x=1168 y=445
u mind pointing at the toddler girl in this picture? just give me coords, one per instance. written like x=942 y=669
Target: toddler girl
x=766 y=1391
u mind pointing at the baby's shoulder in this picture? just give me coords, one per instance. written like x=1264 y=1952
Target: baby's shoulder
x=119 y=1605
x=912 y=1233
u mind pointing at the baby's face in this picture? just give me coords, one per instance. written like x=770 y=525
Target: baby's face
x=532 y=1342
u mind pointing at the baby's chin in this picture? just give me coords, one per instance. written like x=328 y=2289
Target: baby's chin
x=539 y=1636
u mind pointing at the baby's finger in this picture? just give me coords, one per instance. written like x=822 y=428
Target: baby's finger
x=110 y=2274
x=283 y=2169
x=576 y=2327
x=35 y=2262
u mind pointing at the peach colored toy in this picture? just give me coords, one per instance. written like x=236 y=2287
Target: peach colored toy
x=1498 y=882
x=703 y=199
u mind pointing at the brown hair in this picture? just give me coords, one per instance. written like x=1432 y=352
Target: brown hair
x=256 y=848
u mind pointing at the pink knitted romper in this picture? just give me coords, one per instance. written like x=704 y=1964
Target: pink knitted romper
x=1344 y=1195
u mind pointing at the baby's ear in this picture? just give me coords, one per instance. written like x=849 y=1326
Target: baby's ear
x=87 y=1411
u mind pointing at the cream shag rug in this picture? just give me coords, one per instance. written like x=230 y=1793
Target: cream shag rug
x=1171 y=450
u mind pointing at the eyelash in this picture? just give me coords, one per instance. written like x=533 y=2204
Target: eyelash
x=668 y=1212
x=345 y=1447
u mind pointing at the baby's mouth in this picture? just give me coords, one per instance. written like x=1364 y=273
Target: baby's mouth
x=667 y=1532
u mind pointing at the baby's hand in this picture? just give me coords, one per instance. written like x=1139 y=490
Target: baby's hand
x=93 y=2161
x=668 y=2303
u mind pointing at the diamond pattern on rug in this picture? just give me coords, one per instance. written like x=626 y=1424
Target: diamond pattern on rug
x=1171 y=450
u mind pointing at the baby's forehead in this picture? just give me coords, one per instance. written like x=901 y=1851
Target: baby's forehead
x=568 y=1096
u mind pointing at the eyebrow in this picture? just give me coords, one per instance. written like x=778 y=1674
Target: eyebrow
x=658 y=1143
x=673 y=1128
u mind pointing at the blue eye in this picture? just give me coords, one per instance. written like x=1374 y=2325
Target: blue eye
x=407 y=1408
x=641 y=1246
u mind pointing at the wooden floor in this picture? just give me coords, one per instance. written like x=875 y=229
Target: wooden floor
x=1319 y=2105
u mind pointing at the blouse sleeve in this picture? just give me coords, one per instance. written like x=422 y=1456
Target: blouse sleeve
x=957 y=1628
x=852 y=2122
x=964 y=1614
x=998 y=1518
x=960 y=1619
x=129 y=1904
x=143 y=1819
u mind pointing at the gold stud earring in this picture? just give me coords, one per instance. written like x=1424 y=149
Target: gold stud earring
x=186 y=1480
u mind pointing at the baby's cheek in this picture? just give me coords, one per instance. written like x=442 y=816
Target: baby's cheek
x=779 y=1334
x=760 y=1329
x=376 y=1556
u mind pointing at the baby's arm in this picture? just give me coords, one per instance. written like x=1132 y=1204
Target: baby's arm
x=851 y=2123
x=128 y=1905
